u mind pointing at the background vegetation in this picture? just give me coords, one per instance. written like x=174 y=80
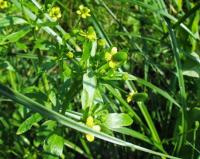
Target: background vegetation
x=99 y=79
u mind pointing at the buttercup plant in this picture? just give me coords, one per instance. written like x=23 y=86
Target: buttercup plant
x=110 y=82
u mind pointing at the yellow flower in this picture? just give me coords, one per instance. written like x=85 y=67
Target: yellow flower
x=90 y=123
x=90 y=34
x=70 y=55
x=55 y=13
x=108 y=57
x=83 y=12
x=3 y=4
x=130 y=96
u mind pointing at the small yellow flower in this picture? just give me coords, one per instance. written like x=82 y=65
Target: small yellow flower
x=70 y=55
x=90 y=123
x=130 y=96
x=83 y=12
x=55 y=13
x=3 y=4
x=108 y=57
x=90 y=34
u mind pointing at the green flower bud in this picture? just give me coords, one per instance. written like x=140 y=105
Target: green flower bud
x=120 y=57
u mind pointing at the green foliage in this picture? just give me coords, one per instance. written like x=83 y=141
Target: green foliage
x=28 y=123
x=99 y=79
x=140 y=97
x=54 y=145
x=115 y=120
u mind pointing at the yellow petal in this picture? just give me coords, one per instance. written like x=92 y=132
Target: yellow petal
x=108 y=56
x=129 y=99
x=90 y=137
x=83 y=16
x=90 y=121
x=130 y=96
x=54 y=18
x=96 y=127
x=114 y=50
x=78 y=12
x=81 y=7
x=112 y=64
x=59 y=15
x=56 y=9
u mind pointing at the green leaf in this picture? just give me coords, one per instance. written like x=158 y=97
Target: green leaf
x=21 y=46
x=74 y=147
x=28 y=123
x=137 y=135
x=116 y=120
x=6 y=65
x=10 y=21
x=180 y=3
x=98 y=97
x=192 y=72
x=16 y=35
x=87 y=46
x=94 y=48
x=133 y=133
x=89 y=87
x=46 y=128
x=54 y=145
x=52 y=98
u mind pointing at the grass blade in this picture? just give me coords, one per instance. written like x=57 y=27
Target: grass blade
x=175 y=50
